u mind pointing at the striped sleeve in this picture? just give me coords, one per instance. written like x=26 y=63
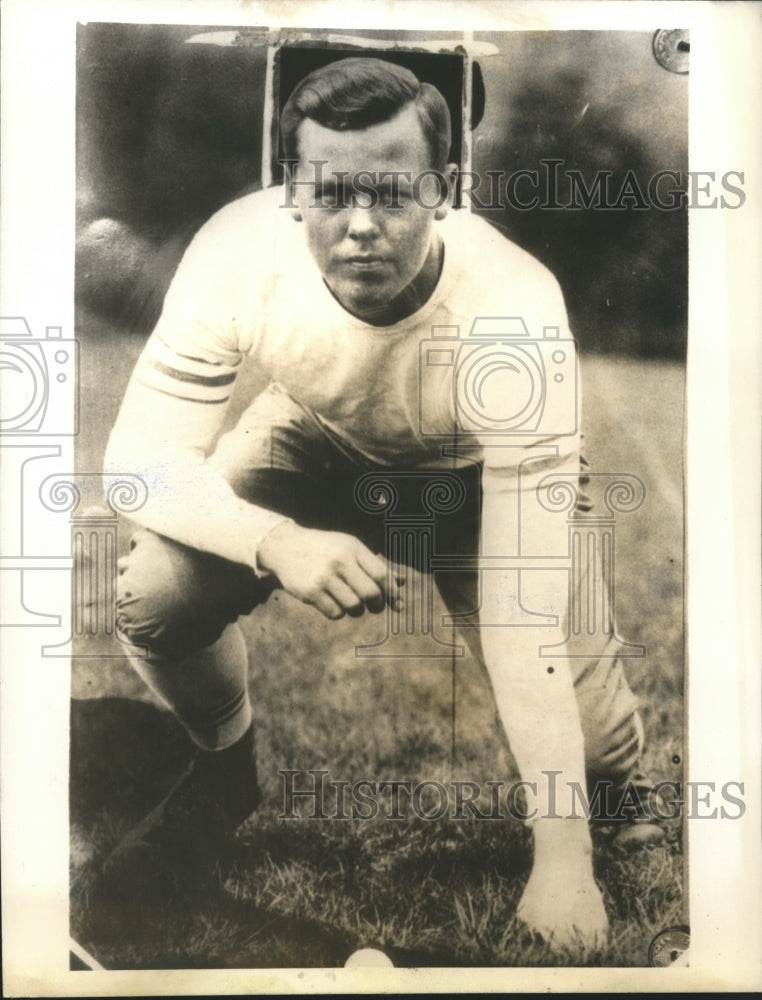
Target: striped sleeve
x=177 y=399
x=188 y=378
x=170 y=417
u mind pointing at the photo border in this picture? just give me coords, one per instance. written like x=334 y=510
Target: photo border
x=722 y=493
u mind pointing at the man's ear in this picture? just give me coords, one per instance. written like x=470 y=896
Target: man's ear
x=288 y=178
x=296 y=212
x=451 y=176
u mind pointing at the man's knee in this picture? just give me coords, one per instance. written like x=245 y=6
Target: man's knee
x=612 y=753
x=608 y=714
x=175 y=599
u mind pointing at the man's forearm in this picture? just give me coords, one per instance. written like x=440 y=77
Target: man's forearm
x=524 y=610
x=189 y=501
x=535 y=695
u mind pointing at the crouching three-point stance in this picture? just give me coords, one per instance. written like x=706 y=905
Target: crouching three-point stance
x=331 y=290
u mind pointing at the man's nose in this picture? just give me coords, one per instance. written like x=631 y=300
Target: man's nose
x=362 y=223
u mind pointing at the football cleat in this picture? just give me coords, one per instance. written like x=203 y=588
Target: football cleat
x=215 y=794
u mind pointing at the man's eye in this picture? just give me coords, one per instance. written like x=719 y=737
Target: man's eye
x=394 y=197
x=345 y=196
x=333 y=197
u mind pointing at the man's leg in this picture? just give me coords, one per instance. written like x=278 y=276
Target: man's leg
x=611 y=725
x=176 y=612
x=180 y=605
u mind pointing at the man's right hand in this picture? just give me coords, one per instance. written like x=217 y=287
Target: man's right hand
x=330 y=570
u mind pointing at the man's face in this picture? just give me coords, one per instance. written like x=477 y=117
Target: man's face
x=368 y=226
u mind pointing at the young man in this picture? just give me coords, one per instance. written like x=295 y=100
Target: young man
x=332 y=297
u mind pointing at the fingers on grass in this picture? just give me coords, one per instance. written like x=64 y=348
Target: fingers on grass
x=385 y=589
x=348 y=597
x=328 y=607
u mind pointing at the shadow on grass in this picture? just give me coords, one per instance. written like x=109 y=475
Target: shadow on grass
x=125 y=755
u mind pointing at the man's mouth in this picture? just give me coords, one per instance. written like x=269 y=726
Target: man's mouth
x=365 y=262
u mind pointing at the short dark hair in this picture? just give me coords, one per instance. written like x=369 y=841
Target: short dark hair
x=357 y=92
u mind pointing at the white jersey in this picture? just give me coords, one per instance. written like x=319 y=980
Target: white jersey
x=248 y=286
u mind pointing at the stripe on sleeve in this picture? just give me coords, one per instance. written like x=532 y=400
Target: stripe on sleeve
x=184 y=377
x=196 y=379
x=187 y=399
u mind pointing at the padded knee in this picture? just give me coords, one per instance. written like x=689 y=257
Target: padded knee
x=176 y=600
x=608 y=714
x=612 y=754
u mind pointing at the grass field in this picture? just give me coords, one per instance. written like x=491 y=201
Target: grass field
x=307 y=892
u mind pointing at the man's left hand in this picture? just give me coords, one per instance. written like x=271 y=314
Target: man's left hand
x=561 y=900
x=570 y=915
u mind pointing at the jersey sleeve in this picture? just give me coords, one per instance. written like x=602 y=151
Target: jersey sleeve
x=549 y=440
x=176 y=402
